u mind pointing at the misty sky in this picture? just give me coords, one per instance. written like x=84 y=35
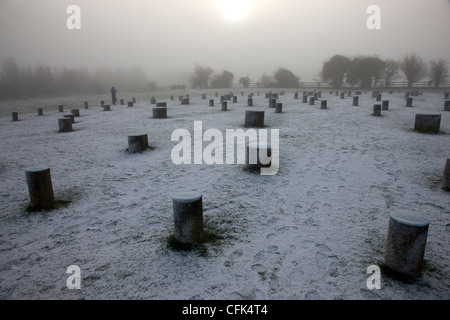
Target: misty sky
x=166 y=38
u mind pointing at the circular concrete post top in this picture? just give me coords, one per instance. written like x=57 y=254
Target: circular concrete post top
x=410 y=218
x=187 y=197
x=37 y=169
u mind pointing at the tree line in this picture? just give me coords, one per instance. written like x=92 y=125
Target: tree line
x=204 y=77
x=41 y=80
x=371 y=71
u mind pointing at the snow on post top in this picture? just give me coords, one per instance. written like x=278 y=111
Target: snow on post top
x=410 y=218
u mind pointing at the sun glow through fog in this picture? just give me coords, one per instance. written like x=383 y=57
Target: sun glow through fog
x=235 y=10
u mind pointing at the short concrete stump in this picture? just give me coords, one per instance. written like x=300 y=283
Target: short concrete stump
x=160 y=112
x=356 y=101
x=224 y=106
x=447 y=105
x=40 y=112
x=130 y=104
x=323 y=104
x=427 y=123
x=409 y=102
x=250 y=102
x=185 y=101
x=15 y=116
x=86 y=105
x=137 y=143
x=385 y=105
x=106 y=107
x=161 y=105
x=272 y=102
x=75 y=112
x=188 y=217
x=122 y=102
x=211 y=102
x=406 y=242
x=60 y=108
x=254 y=119
x=253 y=159
x=40 y=187
x=311 y=101
x=446 y=178
x=70 y=116
x=65 y=124
x=279 y=108
x=152 y=100
x=376 y=110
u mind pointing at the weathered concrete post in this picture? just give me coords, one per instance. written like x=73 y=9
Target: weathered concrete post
x=122 y=102
x=342 y=95
x=447 y=95
x=86 y=105
x=161 y=105
x=378 y=96
x=40 y=187
x=75 y=112
x=279 y=108
x=130 y=104
x=61 y=108
x=224 y=105
x=250 y=102
x=185 y=101
x=106 y=107
x=355 y=101
x=427 y=123
x=211 y=102
x=323 y=104
x=253 y=159
x=311 y=101
x=134 y=100
x=385 y=105
x=153 y=100
x=65 y=124
x=70 y=116
x=446 y=178
x=160 y=112
x=40 y=111
x=234 y=99
x=272 y=102
x=15 y=116
x=254 y=119
x=296 y=95
x=406 y=242
x=376 y=110
x=305 y=98
x=188 y=217
x=409 y=102
x=137 y=143
x=447 y=105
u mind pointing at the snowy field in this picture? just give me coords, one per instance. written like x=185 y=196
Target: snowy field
x=309 y=232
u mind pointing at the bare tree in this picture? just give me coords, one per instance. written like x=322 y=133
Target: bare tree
x=438 y=71
x=414 y=68
x=200 y=77
x=390 y=71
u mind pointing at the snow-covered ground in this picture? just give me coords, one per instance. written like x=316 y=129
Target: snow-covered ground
x=309 y=232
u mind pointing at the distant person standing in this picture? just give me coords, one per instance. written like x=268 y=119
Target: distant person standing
x=113 y=94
